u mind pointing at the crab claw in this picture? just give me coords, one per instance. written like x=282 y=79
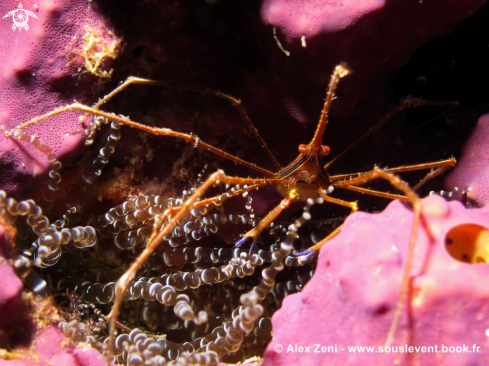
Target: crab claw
x=306 y=252
x=241 y=241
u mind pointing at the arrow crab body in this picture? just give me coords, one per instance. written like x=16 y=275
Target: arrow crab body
x=154 y=224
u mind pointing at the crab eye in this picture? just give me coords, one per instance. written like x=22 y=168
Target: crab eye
x=325 y=150
x=302 y=148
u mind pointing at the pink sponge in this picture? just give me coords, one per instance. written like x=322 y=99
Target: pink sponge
x=49 y=348
x=351 y=299
x=308 y=18
x=472 y=171
x=298 y=18
x=50 y=65
x=374 y=37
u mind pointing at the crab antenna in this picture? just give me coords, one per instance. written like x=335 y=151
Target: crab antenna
x=340 y=71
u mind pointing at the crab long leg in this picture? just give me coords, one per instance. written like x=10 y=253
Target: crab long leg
x=372 y=192
x=446 y=163
x=449 y=163
x=339 y=72
x=416 y=203
x=441 y=167
x=408 y=102
x=352 y=205
x=235 y=103
x=318 y=245
x=176 y=213
x=431 y=175
x=193 y=140
x=272 y=215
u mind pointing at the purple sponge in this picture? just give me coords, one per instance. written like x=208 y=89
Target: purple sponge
x=472 y=171
x=48 y=66
x=49 y=348
x=351 y=299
